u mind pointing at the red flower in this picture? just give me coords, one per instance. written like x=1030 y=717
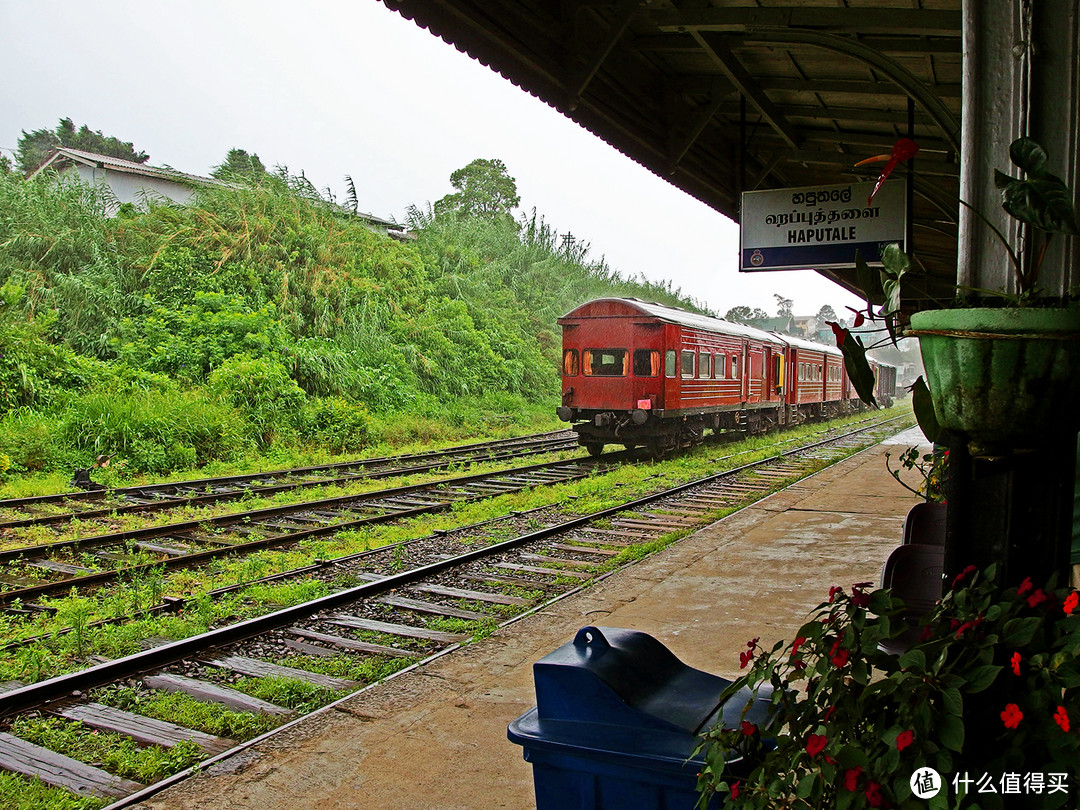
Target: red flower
x=829 y=712
x=840 y=334
x=873 y=794
x=971 y=569
x=851 y=778
x=1071 y=601
x=1061 y=717
x=838 y=654
x=1036 y=598
x=965 y=626
x=860 y=319
x=858 y=597
x=1012 y=716
x=833 y=591
x=903 y=149
x=1016 y=663
x=815 y=744
x=926 y=633
x=904 y=739
x=1025 y=587
x=799 y=641
x=735 y=790
x=748 y=656
x=748 y=728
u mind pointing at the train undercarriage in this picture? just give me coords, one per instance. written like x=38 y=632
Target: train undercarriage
x=662 y=436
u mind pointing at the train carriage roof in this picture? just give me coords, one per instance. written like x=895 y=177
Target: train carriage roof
x=635 y=308
x=809 y=345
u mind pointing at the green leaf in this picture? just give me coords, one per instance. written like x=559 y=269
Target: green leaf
x=869 y=281
x=1019 y=632
x=981 y=677
x=913 y=658
x=951 y=731
x=953 y=701
x=1042 y=200
x=923 y=404
x=1027 y=155
x=858 y=369
x=806 y=785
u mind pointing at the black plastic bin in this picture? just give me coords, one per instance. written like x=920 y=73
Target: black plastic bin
x=616 y=722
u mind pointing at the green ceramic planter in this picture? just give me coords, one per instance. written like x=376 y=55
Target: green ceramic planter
x=1006 y=378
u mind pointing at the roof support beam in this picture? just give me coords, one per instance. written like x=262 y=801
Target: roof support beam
x=891 y=21
x=721 y=54
x=704 y=115
x=577 y=84
x=890 y=68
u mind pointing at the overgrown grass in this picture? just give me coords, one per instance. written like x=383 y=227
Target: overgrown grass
x=24 y=793
x=115 y=753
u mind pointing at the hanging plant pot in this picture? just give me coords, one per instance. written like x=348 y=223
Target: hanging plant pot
x=1007 y=379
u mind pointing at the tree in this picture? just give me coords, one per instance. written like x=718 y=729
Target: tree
x=826 y=313
x=746 y=315
x=239 y=165
x=34 y=148
x=485 y=190
x=783 y=306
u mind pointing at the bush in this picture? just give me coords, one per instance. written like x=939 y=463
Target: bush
x=152 y=431
x=31 y=441
x=188 y=342
x=337 y=425
x=263 y=392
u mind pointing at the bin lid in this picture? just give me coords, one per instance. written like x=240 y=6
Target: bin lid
x=617 y=677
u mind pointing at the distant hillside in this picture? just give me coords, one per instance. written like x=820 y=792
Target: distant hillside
x=264 y=316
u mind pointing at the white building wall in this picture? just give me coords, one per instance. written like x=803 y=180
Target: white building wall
x=135 y=189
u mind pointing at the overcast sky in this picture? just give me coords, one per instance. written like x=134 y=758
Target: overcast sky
x=346 y=87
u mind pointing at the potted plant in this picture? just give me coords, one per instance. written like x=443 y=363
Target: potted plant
x=983 y=711
x=1004 y=377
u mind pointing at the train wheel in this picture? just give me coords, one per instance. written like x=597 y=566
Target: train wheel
x=595 y=450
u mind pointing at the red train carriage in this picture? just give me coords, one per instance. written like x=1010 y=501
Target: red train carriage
x=643 y=374
x=817 y=381
x=884 y=383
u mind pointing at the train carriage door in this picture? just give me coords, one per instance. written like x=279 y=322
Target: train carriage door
x=776 y=376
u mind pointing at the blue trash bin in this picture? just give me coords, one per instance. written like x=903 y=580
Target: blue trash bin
x=616 y=722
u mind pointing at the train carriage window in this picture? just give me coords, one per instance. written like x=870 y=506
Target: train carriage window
x=720 y=366
x=646 y=363
x=734 y=367
x=606 y=362
x=686 y=365
x=670 y=369
x=704 y=365
x=570 y=362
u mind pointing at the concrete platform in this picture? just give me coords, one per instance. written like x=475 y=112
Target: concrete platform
x=435 y=737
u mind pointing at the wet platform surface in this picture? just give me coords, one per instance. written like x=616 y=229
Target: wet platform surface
x=435 y=737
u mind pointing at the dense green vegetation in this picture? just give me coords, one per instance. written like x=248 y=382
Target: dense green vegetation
x=267 y=320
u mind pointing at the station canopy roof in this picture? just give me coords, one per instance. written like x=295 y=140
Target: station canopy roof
x=722 y=96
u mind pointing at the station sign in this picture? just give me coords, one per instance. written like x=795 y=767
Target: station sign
x=817 y=227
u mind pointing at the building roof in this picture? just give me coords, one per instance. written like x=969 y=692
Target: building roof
x=65 y=154
x=724 y=96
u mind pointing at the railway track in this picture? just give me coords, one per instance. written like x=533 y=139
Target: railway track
x=196 y=542
x=21 y=513
x=410 y=602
